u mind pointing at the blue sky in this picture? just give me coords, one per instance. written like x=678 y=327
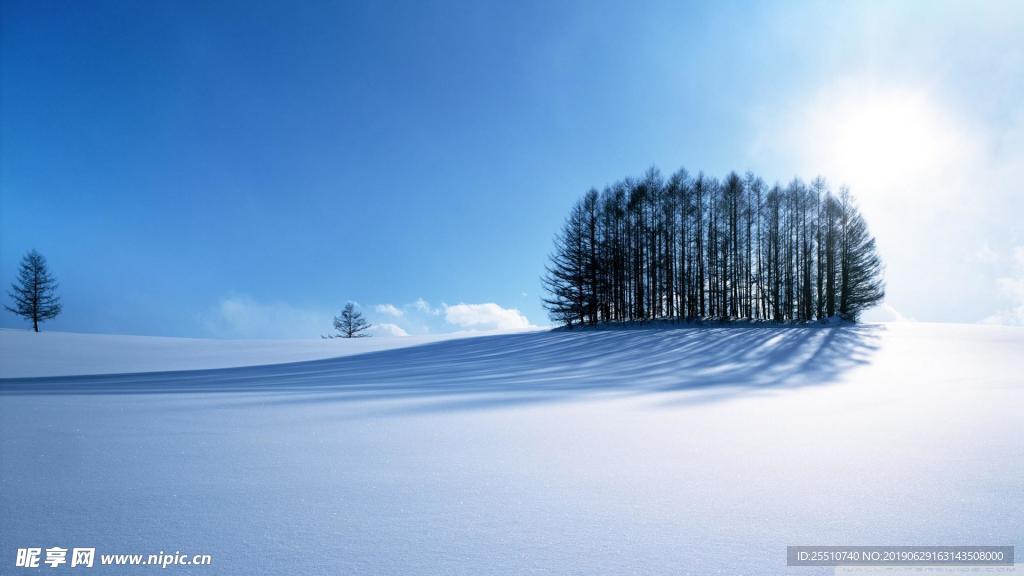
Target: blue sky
x=236 y=169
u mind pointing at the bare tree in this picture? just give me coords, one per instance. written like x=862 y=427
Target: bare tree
x=350 y=324
x=567 y=277
x=861 y=283
x=34 y=293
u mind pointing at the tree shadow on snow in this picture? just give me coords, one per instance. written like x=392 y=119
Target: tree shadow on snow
x=495 y=371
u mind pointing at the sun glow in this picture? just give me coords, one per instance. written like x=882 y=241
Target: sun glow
x=887 y=145
x=913 y=162
x=887 y=137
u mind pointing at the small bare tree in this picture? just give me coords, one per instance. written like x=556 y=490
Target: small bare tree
x=350 y=324
x=34 y=293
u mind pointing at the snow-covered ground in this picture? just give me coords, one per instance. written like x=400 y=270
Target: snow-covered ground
x=25 y=354
x=661 y=451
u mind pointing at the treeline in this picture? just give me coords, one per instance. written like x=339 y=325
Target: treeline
x=699 y=248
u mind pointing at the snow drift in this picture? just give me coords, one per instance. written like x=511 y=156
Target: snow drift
x=662 y=451
x=25 y=354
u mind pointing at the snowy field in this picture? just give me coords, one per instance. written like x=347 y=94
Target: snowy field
x=660 y=451
x=24 y=354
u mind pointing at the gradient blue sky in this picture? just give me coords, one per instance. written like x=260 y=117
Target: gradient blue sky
x=242 y=169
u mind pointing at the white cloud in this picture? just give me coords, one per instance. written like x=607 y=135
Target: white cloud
x=891 y=314
x=1012 y=289
x=985 y=253
x=244 y=317
x=240 y=316
x=1008 y=317
x=423 y=306
x=487 y=316
x=389 y=310
x=386 y=329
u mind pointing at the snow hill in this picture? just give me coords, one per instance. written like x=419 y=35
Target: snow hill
x=653 y=451
x=24 y=354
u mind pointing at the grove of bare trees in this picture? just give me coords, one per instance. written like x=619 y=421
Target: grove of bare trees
x=694 y=247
